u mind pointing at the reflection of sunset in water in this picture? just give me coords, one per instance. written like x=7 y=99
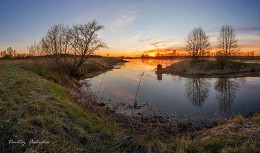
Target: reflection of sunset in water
x=154 y=62
x=172 y=95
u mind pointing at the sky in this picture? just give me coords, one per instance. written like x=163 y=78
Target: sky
x=132 y=27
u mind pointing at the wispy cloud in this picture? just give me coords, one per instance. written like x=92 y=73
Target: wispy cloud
x=248 y=39
x=135 y=37
x=151 y=44
x=146 y=40
x=158 y=43
x=249 y=29
x=125 y=18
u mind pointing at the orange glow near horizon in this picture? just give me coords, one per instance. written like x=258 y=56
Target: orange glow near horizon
x=152 y=54
x=164 y=51
x=180 y=51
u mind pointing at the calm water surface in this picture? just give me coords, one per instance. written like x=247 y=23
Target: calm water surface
x=136 y=89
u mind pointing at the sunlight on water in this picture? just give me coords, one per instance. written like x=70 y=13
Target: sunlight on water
x=174 y=96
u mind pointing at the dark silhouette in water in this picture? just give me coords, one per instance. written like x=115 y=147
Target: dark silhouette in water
x=159 y=72
x=197 y=90
x=227 y=89
x=159 y=76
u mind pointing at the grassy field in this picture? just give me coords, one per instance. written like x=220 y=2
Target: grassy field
x=35 y=104
x=211 y=68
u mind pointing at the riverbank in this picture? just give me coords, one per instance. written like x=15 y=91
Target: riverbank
x=95 y=66
x=37 y=103
x=211 y=68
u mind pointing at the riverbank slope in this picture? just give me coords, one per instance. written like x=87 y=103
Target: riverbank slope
x=35 y=105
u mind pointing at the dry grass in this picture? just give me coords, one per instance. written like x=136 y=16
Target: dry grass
x=210 y=68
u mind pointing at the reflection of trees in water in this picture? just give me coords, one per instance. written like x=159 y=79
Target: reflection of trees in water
x=227 y=89
x=197 y=90
x=242 y=80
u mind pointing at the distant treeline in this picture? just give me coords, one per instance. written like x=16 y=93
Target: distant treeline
x=204 y=57
x=13 y=55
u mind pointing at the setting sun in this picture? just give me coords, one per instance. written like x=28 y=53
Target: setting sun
x=152 y=54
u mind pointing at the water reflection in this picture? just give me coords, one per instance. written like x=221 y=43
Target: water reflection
x=155 y=62
x=159 y=72
x=197 y=90
x=227 y=89
x=134 y=89
x=159 y=76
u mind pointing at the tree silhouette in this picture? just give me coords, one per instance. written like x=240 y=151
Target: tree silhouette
x=84 y=41
x=227 y=41
x=79 y=41
x=197 y=90
x=227 y=44
x=197 y=42
x=227 y=89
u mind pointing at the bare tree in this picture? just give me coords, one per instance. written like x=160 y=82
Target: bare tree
x=34 y=49
x=84 y=41
x=227 y=41
x=2 y=54
x=197 y=42
x=56 y=40
x=56 y=43
x=10 y=51
x=69 y=47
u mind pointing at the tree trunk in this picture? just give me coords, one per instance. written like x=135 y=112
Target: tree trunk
x=74 y=71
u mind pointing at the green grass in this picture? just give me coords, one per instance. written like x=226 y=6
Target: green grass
x=34 y=107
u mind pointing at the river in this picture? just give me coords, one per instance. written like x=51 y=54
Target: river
x=135 y=89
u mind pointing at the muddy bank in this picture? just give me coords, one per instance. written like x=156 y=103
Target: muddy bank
x=211 y=68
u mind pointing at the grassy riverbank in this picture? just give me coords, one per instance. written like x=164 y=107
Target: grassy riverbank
x=37 y=103
x=212 y=68
x=95 y=66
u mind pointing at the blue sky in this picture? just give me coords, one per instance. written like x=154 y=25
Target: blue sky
x=132 y=26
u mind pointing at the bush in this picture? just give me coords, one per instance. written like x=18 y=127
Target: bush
x=222 y=62
x=235 y=65
x=7 y=57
